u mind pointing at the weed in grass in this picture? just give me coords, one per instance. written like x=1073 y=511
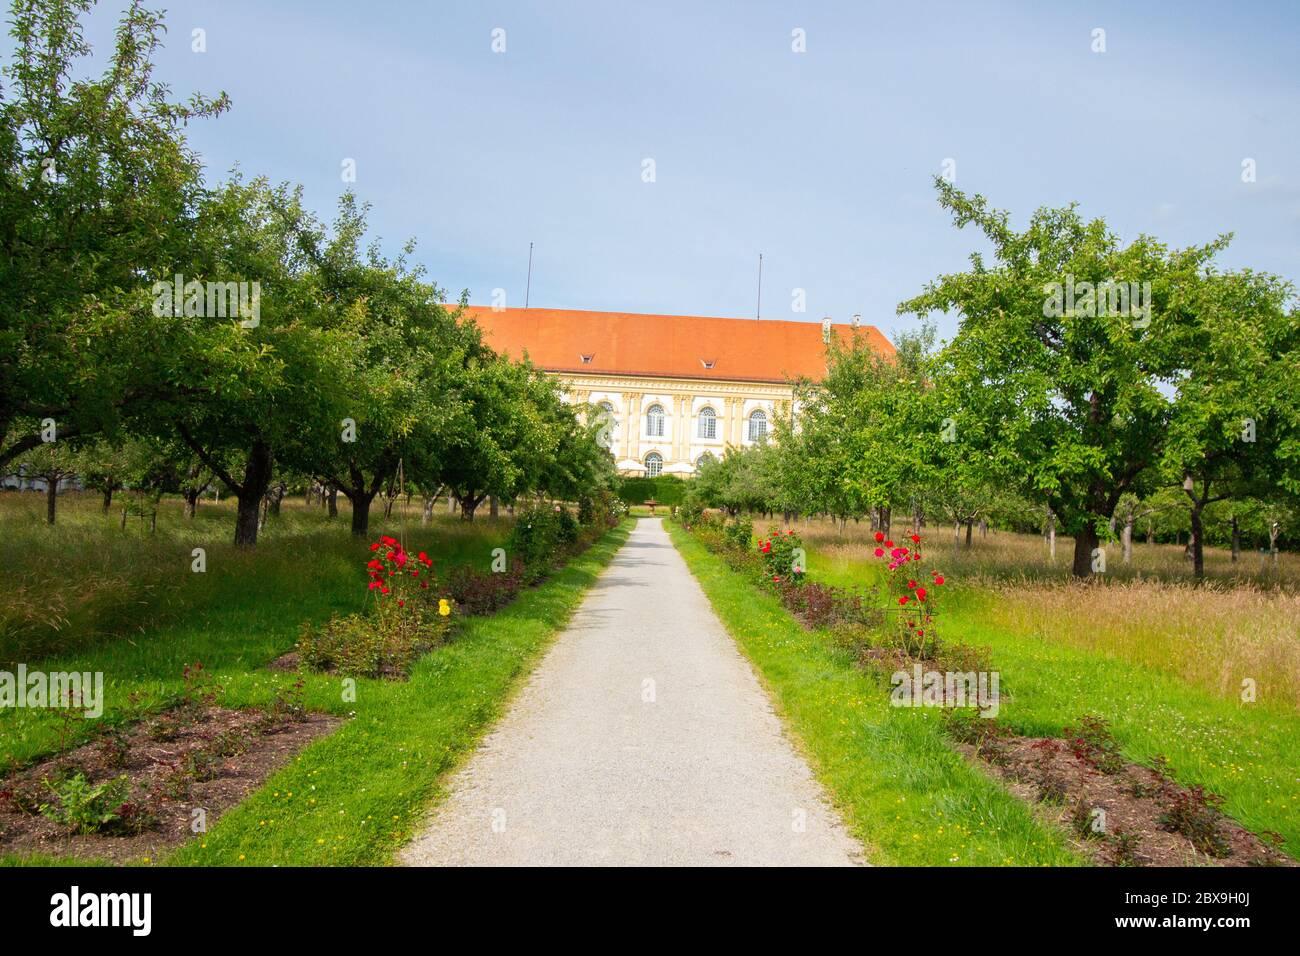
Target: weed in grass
x=1195 y=813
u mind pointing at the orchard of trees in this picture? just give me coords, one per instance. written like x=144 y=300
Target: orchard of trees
x=1097 y=388
x=158 y=332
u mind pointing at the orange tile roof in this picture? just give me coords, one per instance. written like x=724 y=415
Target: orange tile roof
x=670 y=346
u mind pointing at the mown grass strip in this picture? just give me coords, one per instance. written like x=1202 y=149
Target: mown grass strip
x=905 y=793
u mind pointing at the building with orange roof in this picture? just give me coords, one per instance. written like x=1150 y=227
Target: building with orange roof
x=675 y=388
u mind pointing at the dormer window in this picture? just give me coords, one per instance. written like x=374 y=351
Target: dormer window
x=586 y=359
x=707 y=363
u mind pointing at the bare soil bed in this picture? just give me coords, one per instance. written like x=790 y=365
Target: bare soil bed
x=175 y=763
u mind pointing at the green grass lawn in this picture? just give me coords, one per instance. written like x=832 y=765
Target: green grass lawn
x=351 y=797
x=905 y=793
x=1245 y=752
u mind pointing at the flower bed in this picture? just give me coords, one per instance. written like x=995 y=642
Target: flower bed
x=1119 y=813
x=144 y=787
x=409 y=612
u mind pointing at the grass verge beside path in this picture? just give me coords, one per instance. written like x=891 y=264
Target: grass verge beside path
x=908 y=796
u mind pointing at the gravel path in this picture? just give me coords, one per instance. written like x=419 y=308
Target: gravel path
x=644 y=738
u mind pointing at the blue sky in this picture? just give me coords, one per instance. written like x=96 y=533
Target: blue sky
x=820 y=160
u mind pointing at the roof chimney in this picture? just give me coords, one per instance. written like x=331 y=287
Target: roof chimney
x=826 y=329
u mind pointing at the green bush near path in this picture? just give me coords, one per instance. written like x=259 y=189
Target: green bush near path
x=904 y=792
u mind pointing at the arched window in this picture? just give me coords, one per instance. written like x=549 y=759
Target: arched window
x=654 y=421
x=607 y=423
x=708 y=423
x=654 y=464
x=704 y=459
x=757 y=425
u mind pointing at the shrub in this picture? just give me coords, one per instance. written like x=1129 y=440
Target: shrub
x=909 y=598
x=636 y=491
x=783 y=556
x=534 y=538
x=690 y=512
x=406 y=619
x=115 y=747
x=739 y=533
x=478 y=592
x=566 y=526
x=1195 y=814
x=84 y=807
x=1094 y=744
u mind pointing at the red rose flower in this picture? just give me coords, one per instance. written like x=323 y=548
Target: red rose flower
x=903 y=600
x=880 y=552
x=916 y=538
x=920 y=594
x=880 y=536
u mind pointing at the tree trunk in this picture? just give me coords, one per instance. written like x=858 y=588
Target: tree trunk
x=108 y=499
x=360 y=511
x=1197 y=543
x=333 y=501
x=51 y=496
x=427 y=516
x=492 y=507
x=970 y=526
x=191 y=502
x=1236 y=539
x=886 y=519
x=257 y=475
x=1127 y=538
x=1085 y=542
x=1051 y=538
x=467 y=508
x=917 y=517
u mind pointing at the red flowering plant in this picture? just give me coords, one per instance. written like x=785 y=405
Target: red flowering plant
x=402 y=582
x=910 y=591
x=783 y=557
